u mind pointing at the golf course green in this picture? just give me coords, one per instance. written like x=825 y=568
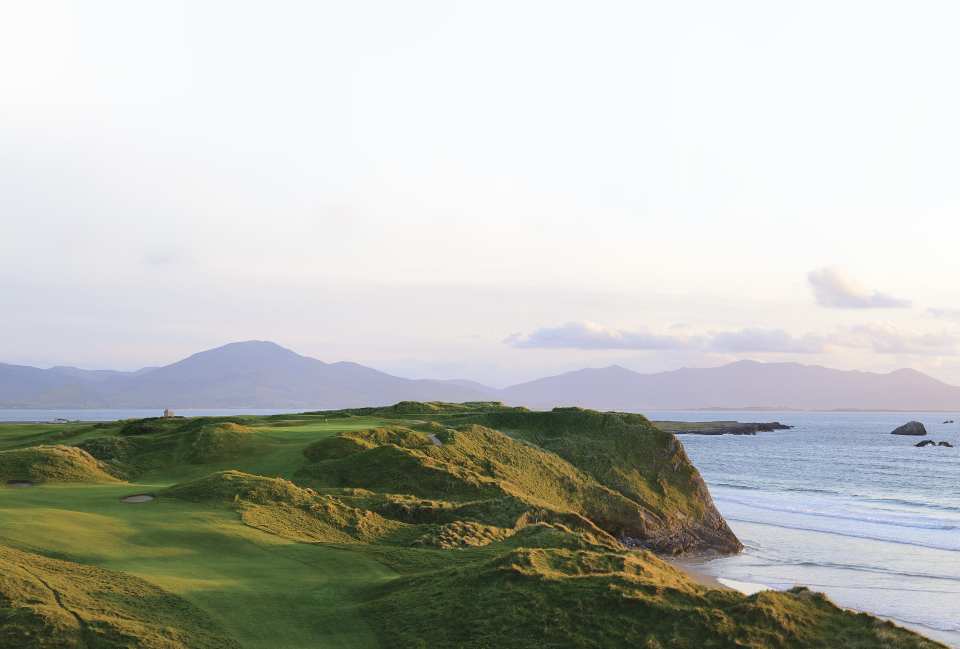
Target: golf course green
x=416 y=525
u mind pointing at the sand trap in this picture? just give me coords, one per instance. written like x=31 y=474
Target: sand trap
x=19 y=484
x=137 y=498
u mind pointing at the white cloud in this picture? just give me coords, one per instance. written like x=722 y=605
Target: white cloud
x=592 y=336
x=589 y=335
x=880 y=339
x=834 y=290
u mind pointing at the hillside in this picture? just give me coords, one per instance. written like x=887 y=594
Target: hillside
x=418 y=524
x=47 y=603
x=38 y=464
x=549 y=597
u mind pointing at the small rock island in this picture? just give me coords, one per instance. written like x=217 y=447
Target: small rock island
x=719 y=427
x=910 y=428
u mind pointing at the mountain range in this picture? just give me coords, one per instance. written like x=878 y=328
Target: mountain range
x=260 y=374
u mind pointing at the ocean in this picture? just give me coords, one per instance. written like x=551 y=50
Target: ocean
x=843 y=507
x=77 y=414
x=836 y=504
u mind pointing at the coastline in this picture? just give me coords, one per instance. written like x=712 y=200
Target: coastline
x=694 y=569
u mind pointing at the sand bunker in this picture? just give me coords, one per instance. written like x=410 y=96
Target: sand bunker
x=138 y=498
x=19 y=484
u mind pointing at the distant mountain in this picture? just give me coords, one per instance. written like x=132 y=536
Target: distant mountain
x=55 y=387
x=258 y=374
x=253 y=374
x=745 y=384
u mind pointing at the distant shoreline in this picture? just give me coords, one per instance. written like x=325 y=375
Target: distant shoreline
x=635 y=410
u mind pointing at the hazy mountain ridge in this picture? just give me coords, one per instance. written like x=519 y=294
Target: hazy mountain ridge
x=747 y=384
x=248 y=374
x=263 y=374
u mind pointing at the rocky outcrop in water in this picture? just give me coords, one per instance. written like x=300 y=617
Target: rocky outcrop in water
x=930 y=442
x=720 y=427
x=910 y=428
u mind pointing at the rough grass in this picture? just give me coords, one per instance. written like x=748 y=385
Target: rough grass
x=47 y=603
x=40 y=464
x=283 y=508
x=586 y=599
x=280 y=507
x=140 y=446
x=461 y=534
x=404 y=409
x=627 y=454
x=476 y=464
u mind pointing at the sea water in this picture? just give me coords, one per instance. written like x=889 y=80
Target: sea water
x=840 y=505
x=88 y=414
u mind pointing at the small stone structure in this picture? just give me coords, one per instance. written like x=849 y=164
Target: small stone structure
x=167 y=412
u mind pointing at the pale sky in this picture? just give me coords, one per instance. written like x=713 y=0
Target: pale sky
x=486 y=190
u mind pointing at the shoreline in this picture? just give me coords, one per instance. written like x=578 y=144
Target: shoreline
x=693 y=569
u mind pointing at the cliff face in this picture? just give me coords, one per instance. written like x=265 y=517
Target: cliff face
x=628 y=455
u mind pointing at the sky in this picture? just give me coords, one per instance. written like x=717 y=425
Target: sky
x=486 y=190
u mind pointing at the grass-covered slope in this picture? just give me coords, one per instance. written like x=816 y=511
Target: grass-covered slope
x=477 y=474
x=627 y=477
x=280 y=507
x=627 y=454
x=40 y=464
x=141 y=445
x=597 y=600
x=51 y=604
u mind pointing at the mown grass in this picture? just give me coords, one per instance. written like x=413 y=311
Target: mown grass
x=263 y=590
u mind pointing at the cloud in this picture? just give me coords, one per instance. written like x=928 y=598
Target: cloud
x=589 y=335
x=880 y=339
x=835 y=291
x=889 y=340
x=767 y=341
x=592 y=336
x=945 y=314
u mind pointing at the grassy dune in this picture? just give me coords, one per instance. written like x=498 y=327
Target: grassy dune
x=48 y=602
x=39 y=464
x=419 y=525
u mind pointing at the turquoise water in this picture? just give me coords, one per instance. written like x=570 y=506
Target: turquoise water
x=840 y=505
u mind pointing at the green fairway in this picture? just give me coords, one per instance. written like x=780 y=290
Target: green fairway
x=280 y=452
x=266 y=591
